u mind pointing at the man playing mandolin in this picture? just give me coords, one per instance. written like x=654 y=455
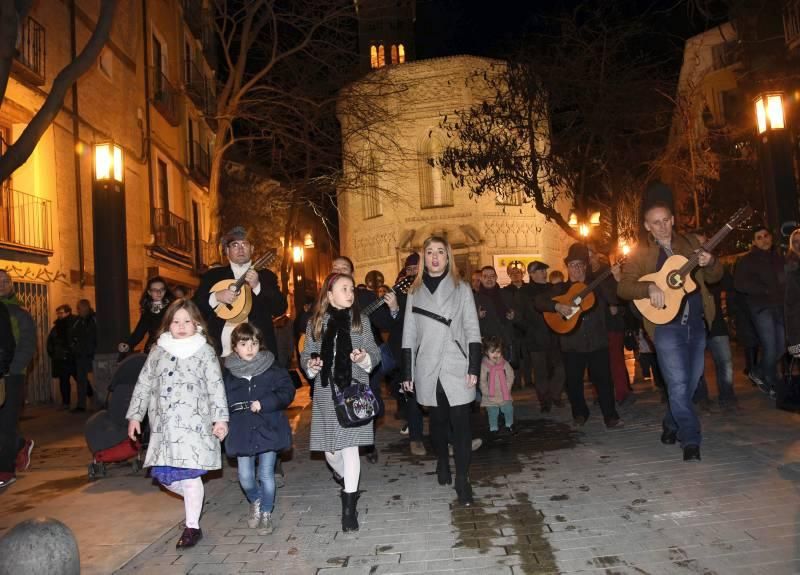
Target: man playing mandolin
x=268 y=301
x=586 y=346
x=680 y=343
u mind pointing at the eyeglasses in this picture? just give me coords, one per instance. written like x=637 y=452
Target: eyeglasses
x=157 y=290
x=237 y=245
x=576 y=265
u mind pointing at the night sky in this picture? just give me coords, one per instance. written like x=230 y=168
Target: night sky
x=495 y=28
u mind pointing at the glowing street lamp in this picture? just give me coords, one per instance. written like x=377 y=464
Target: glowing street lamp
x=109 y=166
x=769 y=112
x=584 y=227
x=297 y=254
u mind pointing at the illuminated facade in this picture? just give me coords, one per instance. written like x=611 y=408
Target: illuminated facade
x=151 y=93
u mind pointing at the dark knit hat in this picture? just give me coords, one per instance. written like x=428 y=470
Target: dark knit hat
x=577 y=252
x=237 y=233
x=412 y=260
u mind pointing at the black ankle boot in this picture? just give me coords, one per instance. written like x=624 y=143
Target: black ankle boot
x=443 y=472
x=464 y=490
x=349 y=513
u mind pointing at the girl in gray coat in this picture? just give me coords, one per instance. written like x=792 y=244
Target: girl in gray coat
x=442 y=357
x=339 y=349
x=180 y=388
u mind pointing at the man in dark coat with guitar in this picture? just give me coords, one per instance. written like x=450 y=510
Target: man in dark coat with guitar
x=268 y=301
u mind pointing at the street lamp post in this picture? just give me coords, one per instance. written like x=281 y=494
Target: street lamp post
x=776 y=160
x=584 y=225
x=110 y=258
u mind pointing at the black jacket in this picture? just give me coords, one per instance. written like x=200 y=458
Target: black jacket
x=7 y=343
x=792 y=308
x=148 y=325
x=538 y=337
x=268 y=430
x=84 y=337
x=760 y=276
x=591 y=333
x=59 y=345
x=269 y=303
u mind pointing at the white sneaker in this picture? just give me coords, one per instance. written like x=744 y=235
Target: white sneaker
x=266 y=524
x=404 y=430
x=255 y=515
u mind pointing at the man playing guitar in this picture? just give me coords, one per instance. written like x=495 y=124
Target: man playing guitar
x=680 y=344
x=268 y=301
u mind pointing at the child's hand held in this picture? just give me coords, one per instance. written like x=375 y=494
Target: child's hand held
x=255 y=407
x=220 y=430
x=134 y=429
x=357 y=355
x=472 y=380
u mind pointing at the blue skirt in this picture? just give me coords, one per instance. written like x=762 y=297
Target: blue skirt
x=168 y=475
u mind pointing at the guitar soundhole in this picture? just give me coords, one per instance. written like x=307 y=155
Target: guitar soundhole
x=674 y=280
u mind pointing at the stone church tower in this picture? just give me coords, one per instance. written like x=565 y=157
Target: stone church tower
x=394 y=199
x=385 y=32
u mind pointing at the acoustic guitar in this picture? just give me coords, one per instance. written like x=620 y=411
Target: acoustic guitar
x=580 y=298
x=238 y=310
x=674 y=278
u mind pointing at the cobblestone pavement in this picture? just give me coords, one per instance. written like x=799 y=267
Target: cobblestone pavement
x=552 y=499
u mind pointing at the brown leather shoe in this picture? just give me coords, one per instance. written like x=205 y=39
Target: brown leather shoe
x=189 y=538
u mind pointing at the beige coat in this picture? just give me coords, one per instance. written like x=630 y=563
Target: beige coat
x=497 y=399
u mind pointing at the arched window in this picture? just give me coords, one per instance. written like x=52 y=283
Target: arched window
x=371 y=200
x=381 y=56
x=373 y=56
x=435 y=189
x=394 y=54
x=401 y=50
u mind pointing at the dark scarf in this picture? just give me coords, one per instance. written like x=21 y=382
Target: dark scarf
x=337 y=333
x=433 y=282
x=242 y=368
x=496 y=298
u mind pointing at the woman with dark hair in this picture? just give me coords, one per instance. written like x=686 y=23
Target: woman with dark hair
x=442 y=357
x=154 y=302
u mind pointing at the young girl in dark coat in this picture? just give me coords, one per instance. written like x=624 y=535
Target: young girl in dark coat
x=258 y=392
x=152 y=305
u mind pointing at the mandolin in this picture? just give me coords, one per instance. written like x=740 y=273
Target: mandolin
x=580 y=298
x=238 y=310
x=674 y=278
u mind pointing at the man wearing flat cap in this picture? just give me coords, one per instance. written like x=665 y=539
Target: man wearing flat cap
x=585 y=347
x=268 y=301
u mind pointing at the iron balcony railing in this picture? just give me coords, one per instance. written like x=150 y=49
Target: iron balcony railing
x=199 y=163
x=170 y=231
x=791 y=23
x=165 y=97
x=195 y=84
x=193 y=15
x=206 y=254
x=29 y=59
x=25 y=222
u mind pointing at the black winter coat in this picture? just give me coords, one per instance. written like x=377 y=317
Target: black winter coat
x=760 y=275
x=59 y=346
x=148 y=325
x=268 y=430
x=7 y=342
x=84 y=337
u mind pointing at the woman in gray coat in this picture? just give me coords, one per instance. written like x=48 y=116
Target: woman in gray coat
x=442 y=357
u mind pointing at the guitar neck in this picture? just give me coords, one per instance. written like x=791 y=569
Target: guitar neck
x=260 y=263
x=595 y=282
x=373 y=307
x=713 y=242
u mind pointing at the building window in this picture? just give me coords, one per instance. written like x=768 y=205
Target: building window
x=371 y=199
x=381 y=56
x=373 y=56
x=105 y=63
x=163 y=184
x=435 y=189
x=401 y=52
x=509 y=199
x=394 y=54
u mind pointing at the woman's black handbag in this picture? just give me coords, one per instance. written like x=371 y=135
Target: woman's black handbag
x=355 y=404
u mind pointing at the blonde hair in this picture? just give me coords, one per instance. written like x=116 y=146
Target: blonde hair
x=452 y=269
x=193 y=311
x=793 y=234
x=322 y=305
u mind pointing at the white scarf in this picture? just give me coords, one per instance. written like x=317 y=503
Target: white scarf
x=182 y=348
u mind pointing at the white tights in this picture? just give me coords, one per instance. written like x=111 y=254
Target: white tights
x=192 y=491
x=346 y=463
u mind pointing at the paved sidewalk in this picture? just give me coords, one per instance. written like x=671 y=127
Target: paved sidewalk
x=551 y=500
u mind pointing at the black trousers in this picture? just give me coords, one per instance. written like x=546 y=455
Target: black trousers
x=575 y=364
x=445 y=417
x=65 y=375
x=9 y=415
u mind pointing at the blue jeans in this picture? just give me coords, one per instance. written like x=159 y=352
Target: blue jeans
x=266 y=477
x=769 y=327
x=681 y=357
x=720 y=348
x=493 y=411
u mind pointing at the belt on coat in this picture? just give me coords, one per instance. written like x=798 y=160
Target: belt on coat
x=240 y=406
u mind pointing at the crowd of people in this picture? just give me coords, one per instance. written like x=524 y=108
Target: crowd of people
x=445 y=347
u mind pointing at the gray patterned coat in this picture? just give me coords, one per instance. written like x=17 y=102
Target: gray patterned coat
x=183 y=399
x=440 y=352
x=326 y=433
